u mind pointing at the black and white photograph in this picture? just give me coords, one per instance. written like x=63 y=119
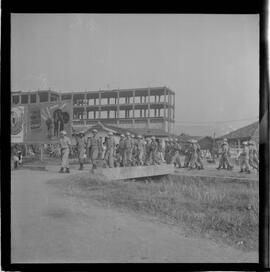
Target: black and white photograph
x=134 y=138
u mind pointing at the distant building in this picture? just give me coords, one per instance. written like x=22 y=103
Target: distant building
x=149 y=110
x=246 y=133
x=206 y=143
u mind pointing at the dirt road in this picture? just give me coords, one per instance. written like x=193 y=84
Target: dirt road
x=48 y=226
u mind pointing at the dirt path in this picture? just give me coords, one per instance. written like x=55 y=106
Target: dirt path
x=51 y=227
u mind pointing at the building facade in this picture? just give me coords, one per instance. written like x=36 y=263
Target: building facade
x=141 y=108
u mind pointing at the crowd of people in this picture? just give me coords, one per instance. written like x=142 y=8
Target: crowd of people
x=134 y=150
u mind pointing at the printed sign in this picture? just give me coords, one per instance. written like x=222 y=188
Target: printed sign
x=17 y=124
x=46 y=120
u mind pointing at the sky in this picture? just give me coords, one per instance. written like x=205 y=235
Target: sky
x=211 y=62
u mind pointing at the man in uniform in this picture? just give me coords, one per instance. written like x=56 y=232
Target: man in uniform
x=65 y=145
x=199 y=159
x=139 y=150
x=133 y=150
x=253 y=155
x=160 y=152
x=176 y=154
x=166 y=151
x=110 y=150
x=188 y=155
x=244 y=159
x=148 y=152
x=225 y=154
x=153 y=150
x=81 y=146
x=127 y=150
x=121 y=149
x=193 y=155
x=93 y=146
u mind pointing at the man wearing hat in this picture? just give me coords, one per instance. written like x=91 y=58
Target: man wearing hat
x=176 y=148
x=17 y=158
x=188 y=154
x=140 y=150
x=93 y=146
x=81 y=147
x=110 y=150
x=167 y=150
x=153 y=150
x=65 y=145
x=121 y=149
x=127 y=150
x=244 y=158
x=224 y=158
x=194 y=155
x=133 y=150
x=147 y=152
x=253 y=155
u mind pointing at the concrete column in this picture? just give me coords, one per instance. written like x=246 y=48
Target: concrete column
x=84 y=104
x=99 y=105
x=133 y=104
x=117 y=115
x=173 y=107
x=165 y=113
x=148 y=104
x=170 y=106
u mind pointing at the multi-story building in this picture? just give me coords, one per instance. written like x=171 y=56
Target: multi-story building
x=149 y=108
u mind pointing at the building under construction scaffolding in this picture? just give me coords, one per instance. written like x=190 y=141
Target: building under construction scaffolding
x=149 y=108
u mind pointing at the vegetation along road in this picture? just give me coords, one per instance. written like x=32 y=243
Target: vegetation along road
x=67 y=218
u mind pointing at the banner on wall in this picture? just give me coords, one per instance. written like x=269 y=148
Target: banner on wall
x=46 y=120
x=17 y=124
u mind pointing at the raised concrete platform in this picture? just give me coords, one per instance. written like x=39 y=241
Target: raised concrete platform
x=121 y=173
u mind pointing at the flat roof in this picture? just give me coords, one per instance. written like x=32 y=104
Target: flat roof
x=61 y=92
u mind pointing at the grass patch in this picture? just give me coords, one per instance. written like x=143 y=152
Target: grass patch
x=224 y=210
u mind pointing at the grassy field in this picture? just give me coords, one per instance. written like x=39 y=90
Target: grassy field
x=223 y=210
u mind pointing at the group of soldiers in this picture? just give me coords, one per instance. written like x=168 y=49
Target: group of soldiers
x=248 y=157
x=130 y=151
x=134 y=150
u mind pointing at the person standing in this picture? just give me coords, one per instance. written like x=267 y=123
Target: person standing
x=65 y=145
x=140 y=150
x=153 y=150
x=133 y=150
x=176 y=154
x=244 y=159
x=188 y=155
x=199 y=159
x=81 y=147
x=224 y=158
x=147 y=152
x=193 y=155
x=166 y=151
x=121 y=149
x=93 y=146
x=127 y=150
x=110 y=150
